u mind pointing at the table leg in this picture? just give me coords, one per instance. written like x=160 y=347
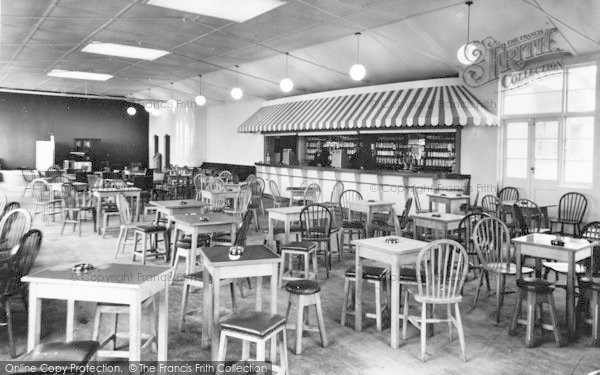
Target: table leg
x=358 y=292
x=369 y=223
x=70 y=320
x=137 y=206
x=233 y=230
x=191 y=260
x=571 y=295
x=163 y=323
x=415 y=230
x=518 y=260
x=259 y=287
x=395 y=300
x=286 y=226
x=544 y=221
x=271 y=236
x=215 y=314
x=274 y=274
x=448 y=206
x=430 y=204
x=34 y=318
x=206 y=320
x=135 y=330
x=98 y=213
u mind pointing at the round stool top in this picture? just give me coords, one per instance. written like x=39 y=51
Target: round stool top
x=303 y=286
x=533 y=284
x=591 y=282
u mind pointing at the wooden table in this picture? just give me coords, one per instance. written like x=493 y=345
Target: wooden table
x=543 y=208
x=538 y=245
x=231 y=186
x=447 y=200
x=257 y=261
x=126 y=284
x=194 y=225
x=101 y=193
x=369 y=208
x=178 y=207
x=394 y=255
x=438 y=222
x=295 y=191
x=287 y=215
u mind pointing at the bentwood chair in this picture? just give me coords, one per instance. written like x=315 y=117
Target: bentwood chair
x=13 y=226
x=18 y=265
x=352 y=221
x=442 y=267
x=508 y=194
x=45 y=203
x=464 y=236
x=492 y=241
x=315 y=226
x=226 y=176
x=532 y=216
x=571 y=210
x=28 y=176
x=491 y=205
x=275 y=194
x=3 y=202
x=312 y=194
x=257 y=186
x=74 y=208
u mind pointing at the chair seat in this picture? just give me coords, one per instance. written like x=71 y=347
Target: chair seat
x=256 y=323
x=150 y=228
x=510 y=268
x=347 y=224
x=302 y=287
x=79 y=352
x=533 y=284
x=565 y=221
x=590 y=282
x=369 y=273
x=300 y=246
x=563 y=267
x=408 y=275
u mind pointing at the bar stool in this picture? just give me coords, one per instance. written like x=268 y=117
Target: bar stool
x=256 y=327
x=196 y=280
x=305 y=249
x=77 y=353
x=536 y=291
x=377 y=276
x=149 y=232
x=592 y=286
x=305 y=293
x=116 y=310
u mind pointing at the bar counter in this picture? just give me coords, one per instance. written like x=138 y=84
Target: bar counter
x=394 y=185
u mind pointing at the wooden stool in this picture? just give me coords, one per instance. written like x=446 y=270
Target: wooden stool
x=149 y=232
x=374 y=275
x=116 y=310
x=305 y=249
x=182 y=250
x=78 y=353
x=537 y=291
x=592 y=286
x=196 y=280
x=256 y=327
x=305 y=293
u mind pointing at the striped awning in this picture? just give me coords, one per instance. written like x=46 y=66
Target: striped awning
x=444 y=105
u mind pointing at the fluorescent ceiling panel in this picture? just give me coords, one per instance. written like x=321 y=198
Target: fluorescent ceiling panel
x=121 y=50
x=233 y=10
x=73 y=74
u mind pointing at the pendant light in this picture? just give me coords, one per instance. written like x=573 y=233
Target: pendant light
x=286 y=84
x=467 y=52
x=171 y=103
x=131 y=111
x=237 y=92
x=200 y=99
x=357 y=71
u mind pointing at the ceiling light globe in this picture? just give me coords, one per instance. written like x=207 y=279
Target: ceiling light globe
x=358 y=72
x=200 y=100
x=237 y=93
x=148 y=107
x=131 y=111
x=286 y=85
x=466 y=54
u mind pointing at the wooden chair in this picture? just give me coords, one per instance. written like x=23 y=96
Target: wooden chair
x=275 y=194
x=336 y=192
x=465 y=238
x=352 y=222
x=571 y=210
x=442 y=267
x=28 y=176
x=532 y=216
x=418 y=208
x=10 y=206
x=3 y=202
x=492 y=241
x=226 y=176
x=45 y=203
x=16 y=266
x=74 y=209
x=12 y=228
x=491 y=205
x=257 y=186
x=508 y=194
x=311 y=195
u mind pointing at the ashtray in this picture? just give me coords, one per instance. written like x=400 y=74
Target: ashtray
x=442 y=195
x=183 y=203
x=235 y=252
x=459 y=195
x=371 y=200
x=82 y=267
x=557 y=242
x=391 y=240
x=215 y=209
x=436 y=215
x=203 y=218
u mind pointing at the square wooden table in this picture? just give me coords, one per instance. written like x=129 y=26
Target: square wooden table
x=193 y=224
x=295 y=191
x=369 y=208
x=257 y=261
x=178 y=207
x=447 y=200
x=126 y=284
x=287 y=215
x=394 y=255
x=539 y=246
x=543 y=207
x=440 y=223
x=130 y=192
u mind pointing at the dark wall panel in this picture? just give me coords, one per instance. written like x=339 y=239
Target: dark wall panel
x=27 y=118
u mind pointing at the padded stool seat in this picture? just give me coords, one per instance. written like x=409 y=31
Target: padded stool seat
x=369 y=273
x=304 y=287
x=535 y=285
x=256 y=323
x=300 y=246
x=150 y=228
x=78 y=352
x=377 y=276
x=592 y=282
x=353 y=224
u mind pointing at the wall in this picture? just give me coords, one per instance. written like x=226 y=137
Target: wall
x=25 y=118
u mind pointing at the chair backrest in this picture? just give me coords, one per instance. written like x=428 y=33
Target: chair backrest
x=572 y=206
x=257 y=186
x=275 y=191
x=3 y=202
x=40 y=190
x=530 y=214
x=476 y=201
x=492 y=241
x=69 y=195
x=417 y=201
x=10 y=207
x=217 y=185
x=442 y=267
x=251 y=177
x=508 y=194
x=403 y=222
x=94 y=181
x=13 y=226
x=465 y=230
x=242 y=233
x=346 y=198
x=124 y=209
x=199 y=181
x=305 y=183
x=312 y=193
x=226 y=176
x=242 y=200
x=315 y=221
x=338 y=188
x=22 y=261
x=28 y=175
x=591 y=232
x=491 y=204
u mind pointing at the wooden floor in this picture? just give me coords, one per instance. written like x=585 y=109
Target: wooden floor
x=489 y=348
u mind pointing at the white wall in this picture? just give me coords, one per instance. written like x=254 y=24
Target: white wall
x=225 y=144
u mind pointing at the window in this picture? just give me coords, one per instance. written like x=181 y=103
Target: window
x=542 y=95
x=579 y=150
x=516 y=149
x=546 y=150
x=581 y=96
